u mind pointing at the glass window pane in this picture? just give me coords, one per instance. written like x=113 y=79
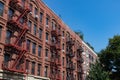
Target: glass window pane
x=39 y=51
x=34 y=48
x=40 y=33
x=35 y=29
x=1 y=8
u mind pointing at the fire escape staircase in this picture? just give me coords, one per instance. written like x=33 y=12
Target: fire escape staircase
x=16 y=61
x=55 y=62
x=70 y=54
x=80 y=60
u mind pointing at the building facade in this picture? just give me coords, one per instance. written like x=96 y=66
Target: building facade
x=35 y=44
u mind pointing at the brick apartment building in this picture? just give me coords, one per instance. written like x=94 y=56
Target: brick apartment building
x=35 y=44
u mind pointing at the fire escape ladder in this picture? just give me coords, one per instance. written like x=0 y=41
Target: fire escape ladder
x=80 y=60
x=18 y=59
x=55 y=48
x=17 y=52
x=20 y=36
x=26 y=11
x=70 y=54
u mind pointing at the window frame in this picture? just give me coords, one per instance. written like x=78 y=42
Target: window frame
x=39 y=69
x=40 y=33
x=1 y=8
x=33 y=48
x=33 y=68
x=35 y=30
x=39 y=50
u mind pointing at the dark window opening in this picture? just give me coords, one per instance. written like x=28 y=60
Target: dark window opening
x=41 y=16
x=46 y=52
x=8 y=36
x=10 y=13
x=28 y=45
x=34 y=48
x=39 y=51
x=40 y=33
x=0 y=32
x=39 y=69
x=47 y=36
x=47 y=21
x=46 y=69
x=33 y=68
x=35 y=29
x=29 y=25
x=1 y=8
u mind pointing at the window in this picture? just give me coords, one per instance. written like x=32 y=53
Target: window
x=23 y=3
x=63 y=34
x=6 y=59
x=47 y=36
x=39 y=50
x=53 y=25
x=63 y=46
x=29 y=25
x=36 y=11
x=46 y=52
x=8 y=36
x=74 y=65
x=59 y=29
x=35 y=29
x=10 y=13
x=40 y=33
x=33 y=68
x=28 y=45
x=27 y=65
x=39 y=69
x=75 y=77
x=92 y=59
x=63 y=75
x=0 y=31
x=1 y=8
x=63 y=61
x=59 y=72
x=34 y=48
x=46 y=69
x=53 y=39
x=31 y=7
x=47 y=21
x=41 y=16
x=22 y=20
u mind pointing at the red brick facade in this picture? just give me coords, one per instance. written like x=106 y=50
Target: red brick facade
x=37 y=45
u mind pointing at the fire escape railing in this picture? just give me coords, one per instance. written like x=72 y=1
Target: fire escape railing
x=16 y=53
x=70 y=67
x=55 y=61
x=80 y=60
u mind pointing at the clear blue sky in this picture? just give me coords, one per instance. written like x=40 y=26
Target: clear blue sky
x=99 y=20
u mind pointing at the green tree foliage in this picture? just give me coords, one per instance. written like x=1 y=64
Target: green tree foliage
x=90 y=46
x=97 y=73
x=80 y=34
x=110 y=57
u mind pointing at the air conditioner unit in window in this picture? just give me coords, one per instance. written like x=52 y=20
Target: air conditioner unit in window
x=31 y=13
x=27 y=70
x=46 y=41
x=36 y=17
x=47 y=26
